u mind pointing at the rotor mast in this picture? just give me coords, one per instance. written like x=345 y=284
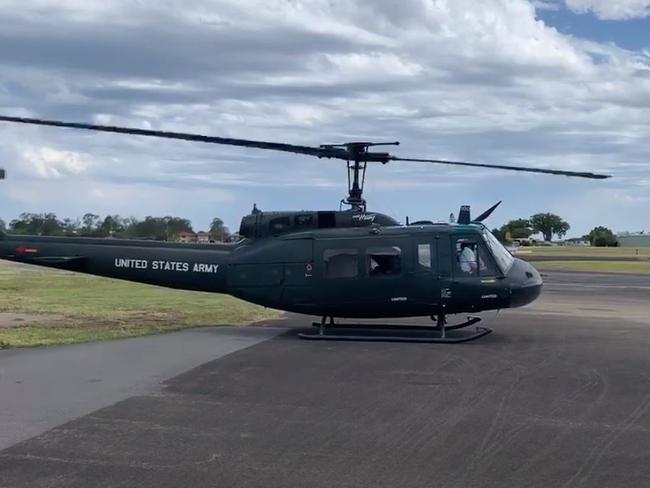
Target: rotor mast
x=357 y=161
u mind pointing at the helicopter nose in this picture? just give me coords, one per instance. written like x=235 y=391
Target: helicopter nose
x=526 y=283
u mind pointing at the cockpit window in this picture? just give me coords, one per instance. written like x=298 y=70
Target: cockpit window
x=503 y=258
x=467 y=257
x=472 y=258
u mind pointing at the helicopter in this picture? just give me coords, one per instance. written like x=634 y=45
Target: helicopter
x=341 y=264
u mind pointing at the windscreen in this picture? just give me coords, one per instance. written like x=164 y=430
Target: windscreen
x=503 y=258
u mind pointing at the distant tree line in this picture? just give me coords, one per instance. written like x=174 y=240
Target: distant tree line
x=549 y=224
x=169 y=228
x=166 y=228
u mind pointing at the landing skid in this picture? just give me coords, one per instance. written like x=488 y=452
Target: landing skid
x=400 y=333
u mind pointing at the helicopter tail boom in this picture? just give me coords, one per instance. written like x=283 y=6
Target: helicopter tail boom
x=183 y=266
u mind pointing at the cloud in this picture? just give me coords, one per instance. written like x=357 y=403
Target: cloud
x=545 y=4
x=485 y=82
x=611 y=9
x=47 y=162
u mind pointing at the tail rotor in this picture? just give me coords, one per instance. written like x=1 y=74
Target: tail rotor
x=465 y=218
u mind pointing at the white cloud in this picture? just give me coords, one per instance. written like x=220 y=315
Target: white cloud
x=484 y=81
x=53 y=163
x=545 y=4
x=611 y=9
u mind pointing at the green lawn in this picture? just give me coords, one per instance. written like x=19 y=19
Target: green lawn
x=640 y=267
x=595 y=252
x=55 y=307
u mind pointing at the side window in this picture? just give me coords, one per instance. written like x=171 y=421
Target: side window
x=384 y=261
x=341 y=263
x=279 y=225
x=304 y=220
x=326 y=220
x=424 y=256
x=472 y=259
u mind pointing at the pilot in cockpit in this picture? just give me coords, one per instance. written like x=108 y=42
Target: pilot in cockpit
x=466 y=258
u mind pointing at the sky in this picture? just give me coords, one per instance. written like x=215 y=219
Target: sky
x=548 y=83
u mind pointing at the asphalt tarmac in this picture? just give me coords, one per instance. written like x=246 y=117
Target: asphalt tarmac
x=558 y=395
x=41 y=388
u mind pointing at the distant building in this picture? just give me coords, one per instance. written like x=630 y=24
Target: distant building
x=202 y=237
x=220 y=235
x=577 y=241
x=633 y=239
x=186 y=236
x=522 y=241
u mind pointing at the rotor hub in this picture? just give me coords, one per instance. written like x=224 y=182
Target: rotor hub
x=357 y=156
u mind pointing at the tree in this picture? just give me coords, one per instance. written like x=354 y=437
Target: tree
x=150 y=228
x=499 y=234
x=130 y=227
x=51 y=225
x=70 y=227
x=3 y=226
x=517 y=229
x=159 y=228
x=548 y=224
x=218 y=231
x=111 y=226
x=90 y=224
x=176 y=225
x=37 y=224
x=602 y=237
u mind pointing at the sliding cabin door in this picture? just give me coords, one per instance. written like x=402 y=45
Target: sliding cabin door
x=428 y=268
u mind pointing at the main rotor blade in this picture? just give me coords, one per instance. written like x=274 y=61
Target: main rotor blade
x=580 y=174
x=274 y=146
x=344 y=153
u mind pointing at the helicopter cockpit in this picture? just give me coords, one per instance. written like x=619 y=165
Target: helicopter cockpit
x=481 y=257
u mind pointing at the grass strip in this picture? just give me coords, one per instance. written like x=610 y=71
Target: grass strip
x=56 y=307
x=633 y=267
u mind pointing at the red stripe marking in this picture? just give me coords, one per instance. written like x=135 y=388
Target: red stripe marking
x=26 y=250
